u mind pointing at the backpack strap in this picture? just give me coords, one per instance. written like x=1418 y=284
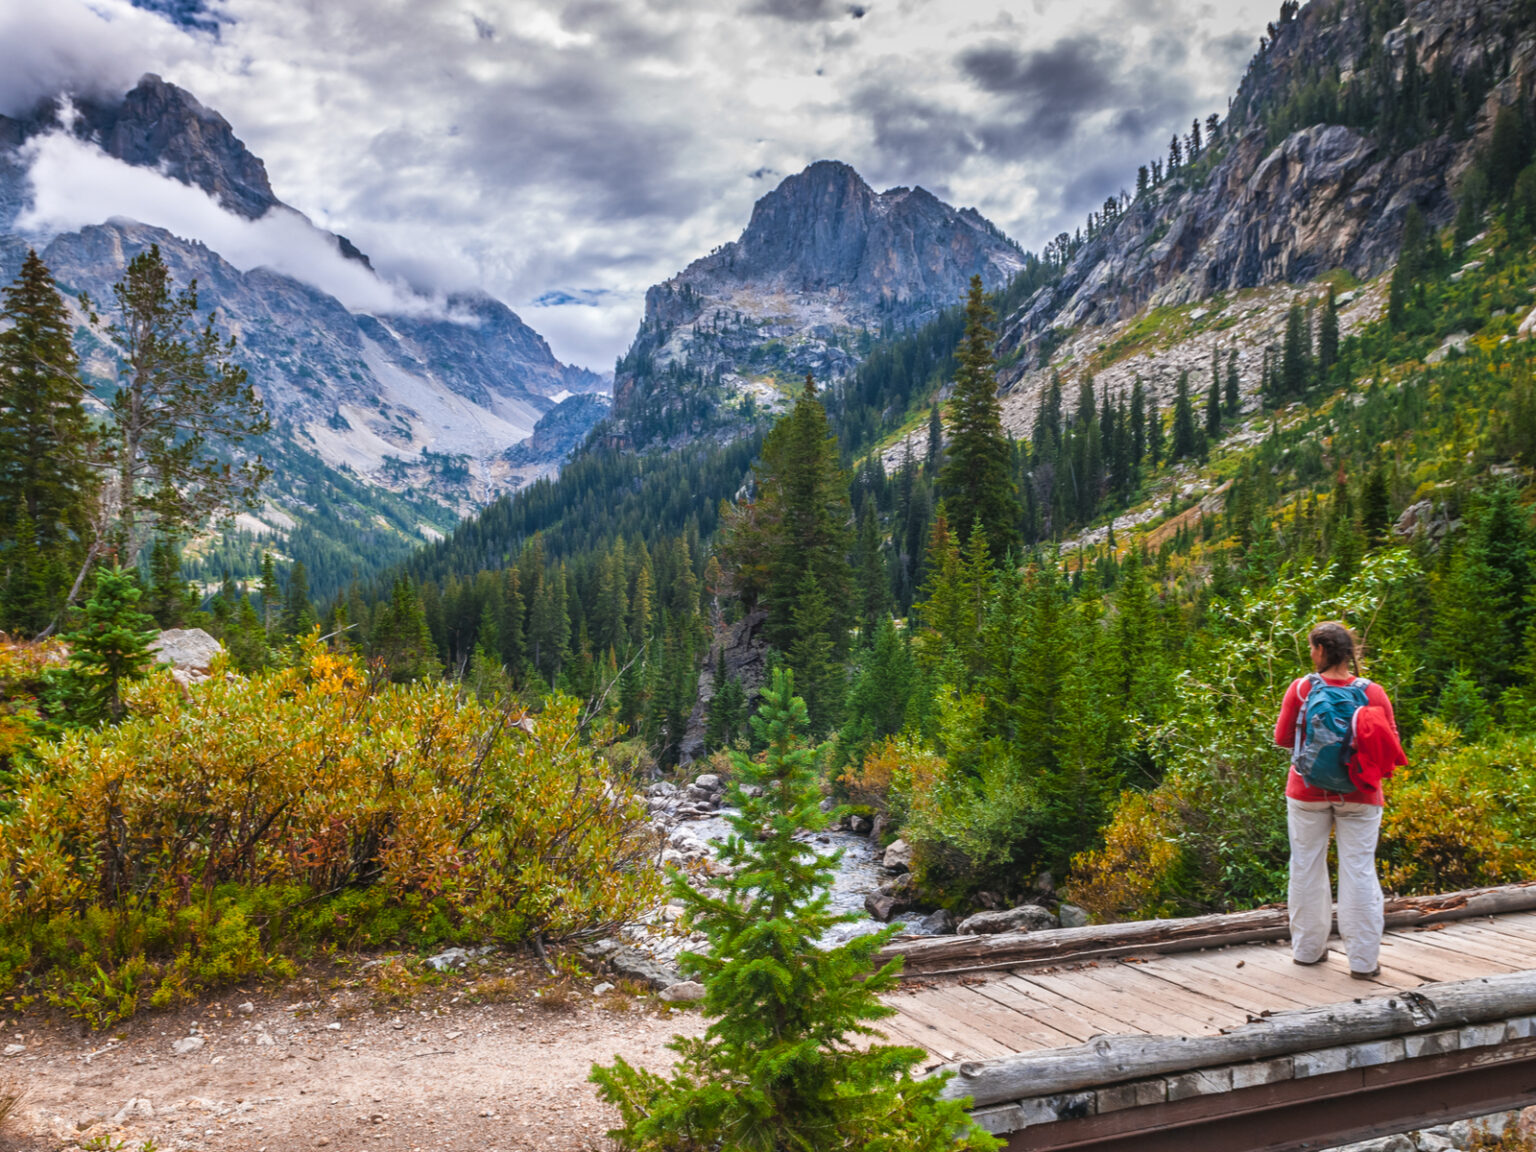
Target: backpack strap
x=1312 y=681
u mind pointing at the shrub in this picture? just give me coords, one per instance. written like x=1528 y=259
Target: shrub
x=1460 y=817
x=786 y=1063
x=217 y=833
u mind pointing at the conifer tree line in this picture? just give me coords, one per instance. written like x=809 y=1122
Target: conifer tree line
x=127 y=485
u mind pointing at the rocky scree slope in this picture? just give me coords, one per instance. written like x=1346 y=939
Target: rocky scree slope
x=425 y=400
x=1327 y=195
x=824 y=264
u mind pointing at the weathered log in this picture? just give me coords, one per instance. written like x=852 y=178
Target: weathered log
x=1113 y=1059
x=936 y=954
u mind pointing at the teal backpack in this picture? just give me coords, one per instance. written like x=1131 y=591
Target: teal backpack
x=1325 y=736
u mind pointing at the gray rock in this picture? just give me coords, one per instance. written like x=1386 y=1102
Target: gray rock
x=189 y=649
x=138 y=1108
x=940 y=923
x=883 y=906
x=187 y=1045
x=13 y=1050
x=860 y=825
x=599 y=989
x=683 y=992
x=710 y=782
x=877 y=828
x=1024 y=918
x=1071 y=916
x=456 y=957
x=898 y=856
x=903 y=886
x=632 y=964
x=661 y=789
x=246 y=1009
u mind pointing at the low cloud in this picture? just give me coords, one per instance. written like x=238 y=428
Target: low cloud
x=75 y=184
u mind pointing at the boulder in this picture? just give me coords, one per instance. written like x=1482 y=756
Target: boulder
x=860 y=825
x=683 y=992
x=710 y=782
x=186 y=649
x=882 y=907
x=1024 y=918
x=901 y=885
x=898 y=856
x=632 y=963
x=940 y=923
x=1071 y=916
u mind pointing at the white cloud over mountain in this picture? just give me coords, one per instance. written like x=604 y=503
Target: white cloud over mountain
x=545 y=146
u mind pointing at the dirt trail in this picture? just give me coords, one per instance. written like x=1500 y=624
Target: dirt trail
x=331 y=1072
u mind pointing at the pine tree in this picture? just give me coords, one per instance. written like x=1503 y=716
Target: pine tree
x=1328 y=338
x=1184 y=442
x=108 y=646
x=814 y=661
x=271 y=591
x=1138 y=423
x=977 y=478
x=1232 y=402
x=727 y=711
x=298 y=615
x=1376 y=506
x=784 y=1065
x=1295 y=356
x=401 y=638
x=801 y=523
x=1154 y=431
x=933 y=458
x=1213 y=412
x=179 y=395
x=873 y=587
x=171 y=598
x=46 y=481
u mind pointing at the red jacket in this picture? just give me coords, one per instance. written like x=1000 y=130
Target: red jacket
x=1373 y=746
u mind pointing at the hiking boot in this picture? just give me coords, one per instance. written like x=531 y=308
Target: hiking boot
x=1371 y=975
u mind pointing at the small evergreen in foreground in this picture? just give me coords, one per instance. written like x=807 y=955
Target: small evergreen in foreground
x=781 y=1068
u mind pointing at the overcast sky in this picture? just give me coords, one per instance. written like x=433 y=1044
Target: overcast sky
x=576 y=152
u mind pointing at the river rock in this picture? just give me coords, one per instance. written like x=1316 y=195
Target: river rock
x=1024 y=918
x=902 y=885
x=882 y=907
x=940 y=923
x=1071 y=916
x=860 y=825
x=710 y=782
x=898 y=856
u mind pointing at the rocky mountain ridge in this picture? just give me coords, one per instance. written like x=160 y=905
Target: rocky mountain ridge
x=1324 y=195
x=424 y=401
x=824 y=265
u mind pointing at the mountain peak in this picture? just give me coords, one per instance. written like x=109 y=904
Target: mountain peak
x=159 y=125
x=825 y=228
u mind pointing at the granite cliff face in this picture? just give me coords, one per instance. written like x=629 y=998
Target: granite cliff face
x=425 y=401
x=824 y=263
x=1322 y=195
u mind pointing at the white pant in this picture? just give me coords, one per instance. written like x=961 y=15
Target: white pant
x=1360 y=904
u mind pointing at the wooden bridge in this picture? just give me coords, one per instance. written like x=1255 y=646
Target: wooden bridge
x=1201 y=1033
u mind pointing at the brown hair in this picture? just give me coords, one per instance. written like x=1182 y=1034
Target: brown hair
x=1338 y=643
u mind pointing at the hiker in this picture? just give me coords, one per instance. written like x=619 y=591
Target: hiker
x=1343 y=739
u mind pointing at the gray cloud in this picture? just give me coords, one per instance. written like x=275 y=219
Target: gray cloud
x=576 y=151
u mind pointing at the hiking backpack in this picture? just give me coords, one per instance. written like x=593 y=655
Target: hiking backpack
x=1325 y=735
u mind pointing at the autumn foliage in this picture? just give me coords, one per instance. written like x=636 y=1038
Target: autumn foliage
x=223 y=830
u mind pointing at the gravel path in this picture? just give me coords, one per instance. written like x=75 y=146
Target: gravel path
x=283 y=1072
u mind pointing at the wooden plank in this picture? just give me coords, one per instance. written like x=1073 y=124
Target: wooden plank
x=1466 y=940
x=1509 y=947
x=1151 y=1019
x=1435 y=963
x=1160 y=997
x=1519 y=930
x=958 y=953
x=1112 y=1059
x=1003 y=1022
x=1250 y=990
x=946 y=1034
x=1099 y=1018
x=1074 y=1029
x=1314 y=984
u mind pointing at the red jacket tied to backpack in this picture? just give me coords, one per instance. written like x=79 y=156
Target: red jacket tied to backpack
x=1377 y=752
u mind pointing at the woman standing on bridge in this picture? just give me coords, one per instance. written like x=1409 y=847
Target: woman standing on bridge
x=1343 y=739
